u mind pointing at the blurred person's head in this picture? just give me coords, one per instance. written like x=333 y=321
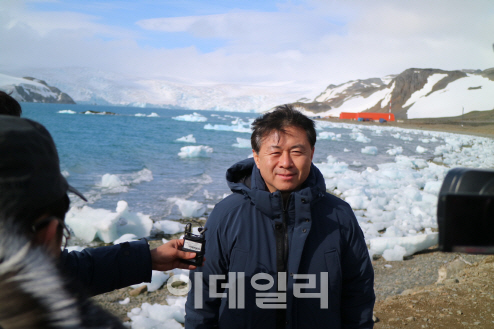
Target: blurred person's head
x=283 y=147
x=32 y=189
x=8 y=105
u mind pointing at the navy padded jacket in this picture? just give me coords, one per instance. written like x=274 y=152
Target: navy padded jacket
x=323 y=237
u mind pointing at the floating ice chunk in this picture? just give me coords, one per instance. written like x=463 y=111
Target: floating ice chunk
x=411 y=162
x=199 y=151
x=194 y=117
x=189 y=208
x=169 y=226
x=395 y=151
x=140 y=115
x=119 y=183
x=420 y=149
x=371 y=150
x=144 y=175
x=425 y=140
x=359 y=137
x=329 y=135
x=187 y=139
x=67 y=112
x=412 y=244
x=356 y=163
x=153 y=115
x=346 y=150
x=109 y=180
x=126 y=238
x=113 y=183
x=88 y=223
x=395 y=254
x=239 y=128
x=242 y=143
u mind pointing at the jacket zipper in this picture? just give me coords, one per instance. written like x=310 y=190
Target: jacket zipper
x=282 y=259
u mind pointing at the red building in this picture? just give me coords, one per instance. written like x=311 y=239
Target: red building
x=367 y=116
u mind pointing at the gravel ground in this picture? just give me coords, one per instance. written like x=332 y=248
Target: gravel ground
x=465 y=300
x=391 y=280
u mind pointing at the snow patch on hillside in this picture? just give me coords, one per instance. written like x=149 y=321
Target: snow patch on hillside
x=449 y=102
x=7 y=84
x=427 y=88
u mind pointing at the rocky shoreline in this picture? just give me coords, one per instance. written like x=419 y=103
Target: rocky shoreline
x=407 y=292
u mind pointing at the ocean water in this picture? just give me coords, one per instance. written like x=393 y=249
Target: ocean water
x=135 y=158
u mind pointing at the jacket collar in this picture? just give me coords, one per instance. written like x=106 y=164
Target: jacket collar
x=244 y=177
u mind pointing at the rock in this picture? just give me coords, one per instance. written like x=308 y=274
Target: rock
x=408 y=292
x=451 y=281
x=138 y=291
x=488 y=259
x=451 y=270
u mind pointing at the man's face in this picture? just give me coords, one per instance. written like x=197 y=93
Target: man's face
x=284 y=159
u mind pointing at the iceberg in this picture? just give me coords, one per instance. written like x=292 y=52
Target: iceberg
x=194 y=117
x=199 y=151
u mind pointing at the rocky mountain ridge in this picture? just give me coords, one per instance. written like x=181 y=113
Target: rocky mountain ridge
x=29 y=89
x=400 y=93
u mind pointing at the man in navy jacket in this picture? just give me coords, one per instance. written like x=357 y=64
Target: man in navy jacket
x=282 y=252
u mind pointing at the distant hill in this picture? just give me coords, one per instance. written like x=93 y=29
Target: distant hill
x=30 y=89
x=414 y=93
x=99 y=87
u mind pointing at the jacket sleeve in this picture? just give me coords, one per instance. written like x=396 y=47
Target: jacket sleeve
x=103 y=269
x=357 y=299
x=202 y=310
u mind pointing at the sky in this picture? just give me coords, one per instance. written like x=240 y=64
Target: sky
x=258 y=42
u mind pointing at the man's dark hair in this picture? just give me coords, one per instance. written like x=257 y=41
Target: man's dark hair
x=8 y=105
x=282 y=117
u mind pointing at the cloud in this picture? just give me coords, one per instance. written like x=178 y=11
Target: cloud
x=313 y=43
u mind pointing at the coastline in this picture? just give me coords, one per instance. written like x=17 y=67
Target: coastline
x=466 y=127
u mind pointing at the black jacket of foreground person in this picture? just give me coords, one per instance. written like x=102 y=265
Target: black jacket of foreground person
x=34 y=293
x=321 y=239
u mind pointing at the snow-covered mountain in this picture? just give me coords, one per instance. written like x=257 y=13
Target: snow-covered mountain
x=415 y=93
x=29 y=89
x=99 y=87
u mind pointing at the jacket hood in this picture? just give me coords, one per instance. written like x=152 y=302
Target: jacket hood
x=244 y=177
